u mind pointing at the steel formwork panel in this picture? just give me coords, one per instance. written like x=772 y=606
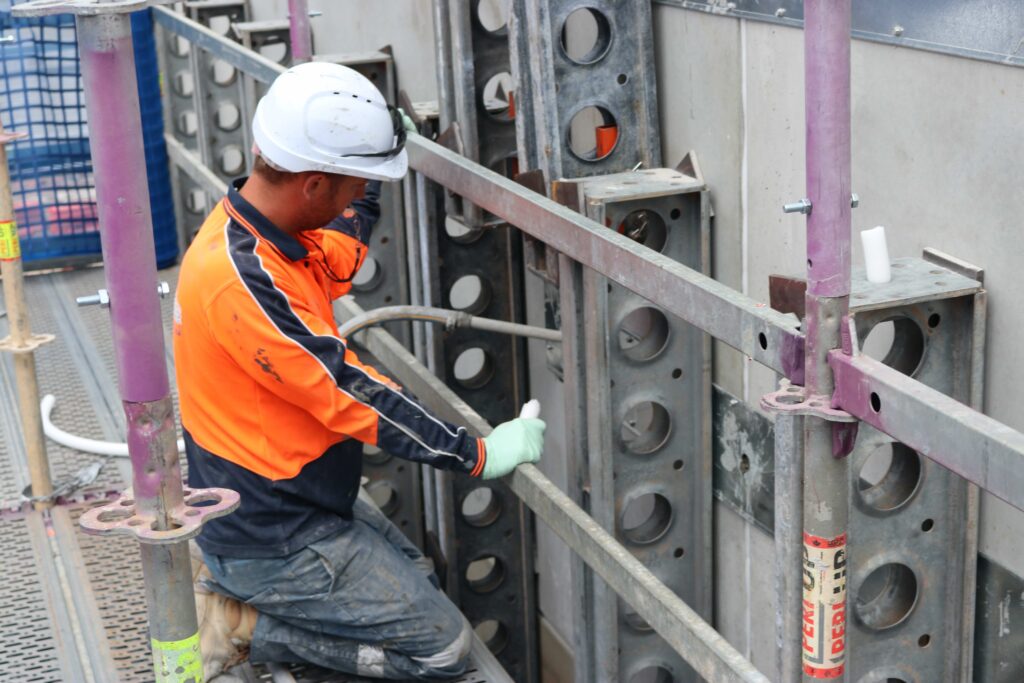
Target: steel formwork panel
x=649 y=385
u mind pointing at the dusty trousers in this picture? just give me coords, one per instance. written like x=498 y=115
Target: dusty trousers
x=362 y=601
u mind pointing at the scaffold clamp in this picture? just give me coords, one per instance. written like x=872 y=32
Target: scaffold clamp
x=795 y=400
x=122 y=517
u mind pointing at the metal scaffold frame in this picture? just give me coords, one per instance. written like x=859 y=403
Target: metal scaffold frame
x=835 y=385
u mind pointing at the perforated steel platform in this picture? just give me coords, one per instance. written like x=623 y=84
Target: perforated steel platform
x=72 y=605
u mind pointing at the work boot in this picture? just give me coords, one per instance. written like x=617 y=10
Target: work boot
x=225 y=625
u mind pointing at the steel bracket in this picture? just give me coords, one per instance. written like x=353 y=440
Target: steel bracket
x=795 y=400
x=27 y=346
x=122 y=517
x=42 y=8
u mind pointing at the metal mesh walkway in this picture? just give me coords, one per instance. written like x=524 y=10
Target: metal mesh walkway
x=72 y=605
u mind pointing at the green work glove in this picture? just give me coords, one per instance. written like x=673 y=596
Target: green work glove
x=407 y=121
x=512 y=443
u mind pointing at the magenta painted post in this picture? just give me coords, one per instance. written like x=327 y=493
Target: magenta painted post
x=827 y=111
x=823 y=607
x=122 y=196
x=300 y=31
x=129 y=258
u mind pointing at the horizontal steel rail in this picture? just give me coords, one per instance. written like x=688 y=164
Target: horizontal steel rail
x=693 y=638
x=252 y=63
x=194 y=168
x=767 y=336
x=975 y=446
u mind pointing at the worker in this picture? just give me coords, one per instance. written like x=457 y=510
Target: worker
x=276 y=406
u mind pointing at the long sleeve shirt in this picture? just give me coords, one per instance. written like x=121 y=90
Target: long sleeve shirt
x=273 y=403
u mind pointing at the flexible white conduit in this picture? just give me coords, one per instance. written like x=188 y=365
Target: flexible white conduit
x=80 y=443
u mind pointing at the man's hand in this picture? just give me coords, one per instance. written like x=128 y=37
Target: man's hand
x=512 y=443
x=407 y=121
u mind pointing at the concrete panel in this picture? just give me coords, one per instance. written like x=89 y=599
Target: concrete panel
x=744 y=593
x=700 y=106
x=356 y=26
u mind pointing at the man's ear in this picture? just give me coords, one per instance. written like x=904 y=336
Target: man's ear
x=314 y=184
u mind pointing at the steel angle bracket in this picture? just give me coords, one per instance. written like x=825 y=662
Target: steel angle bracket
x=796 y=400
x=122 y=516
x=28 y=346
x=42 y=8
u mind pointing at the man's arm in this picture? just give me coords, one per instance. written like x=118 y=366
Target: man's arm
x=294 y=354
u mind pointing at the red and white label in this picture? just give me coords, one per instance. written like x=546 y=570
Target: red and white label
x=824 y=606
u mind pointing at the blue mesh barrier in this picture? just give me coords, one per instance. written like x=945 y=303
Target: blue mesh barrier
x=51 y=172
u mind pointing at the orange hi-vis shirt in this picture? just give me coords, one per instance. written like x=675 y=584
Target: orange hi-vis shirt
x=273 y=403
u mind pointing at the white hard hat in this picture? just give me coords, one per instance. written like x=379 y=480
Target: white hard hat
x=327 y=117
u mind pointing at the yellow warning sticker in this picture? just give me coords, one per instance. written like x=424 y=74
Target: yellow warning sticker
x=10 y=249
x=178 y=661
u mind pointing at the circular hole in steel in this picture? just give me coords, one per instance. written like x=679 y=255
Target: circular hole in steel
x=924 y=641
x=592 y=134
x=646 y=518
x=470 y=293
x=495 y=96
x=374 y=455
x=652 y=674
x=876 y=403
x=135 y=521
x=677 y=373
x=677 y=465
x=889 y=477
x=186 y=123
x=193 y=512
x=182 y=83
x=762 y=341
x=485 y=574
x=586 y=35
x=171 y=526
x=369 y=275
x=933 y=320
x=897 y=342
x=622 y=79
x=227 y=117
x=643 y=334
x=492 y=15
x=789 y=399
x=678 y=553
x=126 y=502
x=110 y=516
x=222 y=73
x=480 y=507
x=645 y=427
x=493 y=634
x=886 y=597
x=180 y=46
x=195 y=202
x=632 y=619
x=220 y=24
x=384 y=495
x=473 y=368
x=676 y=213
x=275 y=52
x=927 y=525
x=459 y=232
x=646 y=227
x=744 y=463
x=232 y=160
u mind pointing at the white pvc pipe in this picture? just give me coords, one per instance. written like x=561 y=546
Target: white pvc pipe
x=876 y=255
x=80 y=443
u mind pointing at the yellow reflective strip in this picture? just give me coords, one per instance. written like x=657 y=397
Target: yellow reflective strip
x=10 y=249
x=177 y=661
